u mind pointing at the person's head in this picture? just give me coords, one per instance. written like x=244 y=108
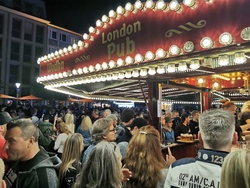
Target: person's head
x=175 y=114
x=168 y=114
x=21 y=139
x=63 y=128
x=69 y=118
x=127 y=116
x=46 y=118
x=144 y=151
x=114 y=118
x=136 y=124
x=72 y=152
x=246 y=107
x=236 y=170
x=229 y=106
x=185 y=119
x=95 y=113
x=167 y=122
x=102 y=129
x=2 y=183
x=107 y=157
x=106 y=113
x=86 y=122
x=195 y=115
x=4 y=119
x=217 y=130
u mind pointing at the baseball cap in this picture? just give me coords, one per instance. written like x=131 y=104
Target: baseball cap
x=138 y=122
x=168 y=119
x=5 y=118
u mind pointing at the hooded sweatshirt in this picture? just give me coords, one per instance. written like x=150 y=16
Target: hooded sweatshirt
x=38 y=172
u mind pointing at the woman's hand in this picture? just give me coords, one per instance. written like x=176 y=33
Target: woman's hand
x=126 y=174
x=170 y=158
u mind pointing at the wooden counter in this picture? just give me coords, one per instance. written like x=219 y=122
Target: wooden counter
x=182 y=150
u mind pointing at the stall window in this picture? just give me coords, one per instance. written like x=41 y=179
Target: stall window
x=28 y=31
x=14 y=73
x=16 y=28
x=26 y=75
x=27 y=53
x=1 y=23
x=15 y=51
x=39 y=34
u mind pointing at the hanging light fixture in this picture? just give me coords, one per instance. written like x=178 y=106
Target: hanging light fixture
x=160 y=69
x=194 y=64
x=143 y=72
x=182 y=66
x=240 y=58
x=171 y=67
x=151 y=71
x=223 y=60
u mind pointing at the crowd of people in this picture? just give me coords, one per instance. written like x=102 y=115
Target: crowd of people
x=62 y=148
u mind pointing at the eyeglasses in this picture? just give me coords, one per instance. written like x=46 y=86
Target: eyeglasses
x=112 y=130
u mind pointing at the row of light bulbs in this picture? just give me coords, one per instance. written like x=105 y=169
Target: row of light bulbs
x=169 y=102
x=194 y=64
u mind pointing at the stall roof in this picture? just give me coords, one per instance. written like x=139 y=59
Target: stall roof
x=142 y=43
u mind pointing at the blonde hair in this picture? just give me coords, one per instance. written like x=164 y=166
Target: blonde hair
x=236 y=170
x=86 y=123
x=144 y=152
x=72 y=151
x=1 y=171
x=246 y=107
x=63 y=128
x=69 y=119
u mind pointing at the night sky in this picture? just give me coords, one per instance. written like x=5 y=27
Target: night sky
x=79 y=15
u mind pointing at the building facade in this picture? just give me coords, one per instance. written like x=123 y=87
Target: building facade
x=23 y=39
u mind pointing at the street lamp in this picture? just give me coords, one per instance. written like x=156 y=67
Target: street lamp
x=17 y=92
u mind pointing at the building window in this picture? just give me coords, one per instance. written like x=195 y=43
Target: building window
x=39 y=34
x=28 y=8
x=63 y=37
x=16 y=28
x=13 y=76
x=28 y=31
x=52 y=49
x=39 y=52
x=15 y=51
x=27 y=53
x=53 y=34
x=26 y=75
x=1 y=23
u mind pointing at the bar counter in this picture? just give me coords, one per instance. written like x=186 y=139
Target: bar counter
x=181 y=150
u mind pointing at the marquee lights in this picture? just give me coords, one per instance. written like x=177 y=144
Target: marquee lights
x=174 y=50
x=151 y=71
x=105 y=18
x=80 y=71
x=120 y=10
x=160 y=53
x=138 y=5
x=112 y=14
x=143 y=72
x=99 y=23
x=194 y=64
x=149 y=55
x=98 y=67
x=129 y=7
x=161 y=5
x=139 y=58
x=128 y=74
x=121 y=75
x=104 y=66
x=85 y=70
x=160 y=69
x=120 y=62
x=200 y=81
x=171 y=67
x=129 y=60
x=226 y=38
x=206 y=42
x=135 y=73
x=150 y=4
x=112 y=64
x=175 y=6
x=182 y=66
x=190 y=3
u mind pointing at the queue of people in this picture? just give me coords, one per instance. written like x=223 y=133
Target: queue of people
x=105 y=153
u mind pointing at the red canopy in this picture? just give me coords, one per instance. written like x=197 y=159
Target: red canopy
x=29 y=97
x=3 y=96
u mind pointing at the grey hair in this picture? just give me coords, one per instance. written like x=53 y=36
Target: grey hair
x=112 y=116
x=217 y=128
x=102 y=169
x=27 y=126
x=99 y=129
